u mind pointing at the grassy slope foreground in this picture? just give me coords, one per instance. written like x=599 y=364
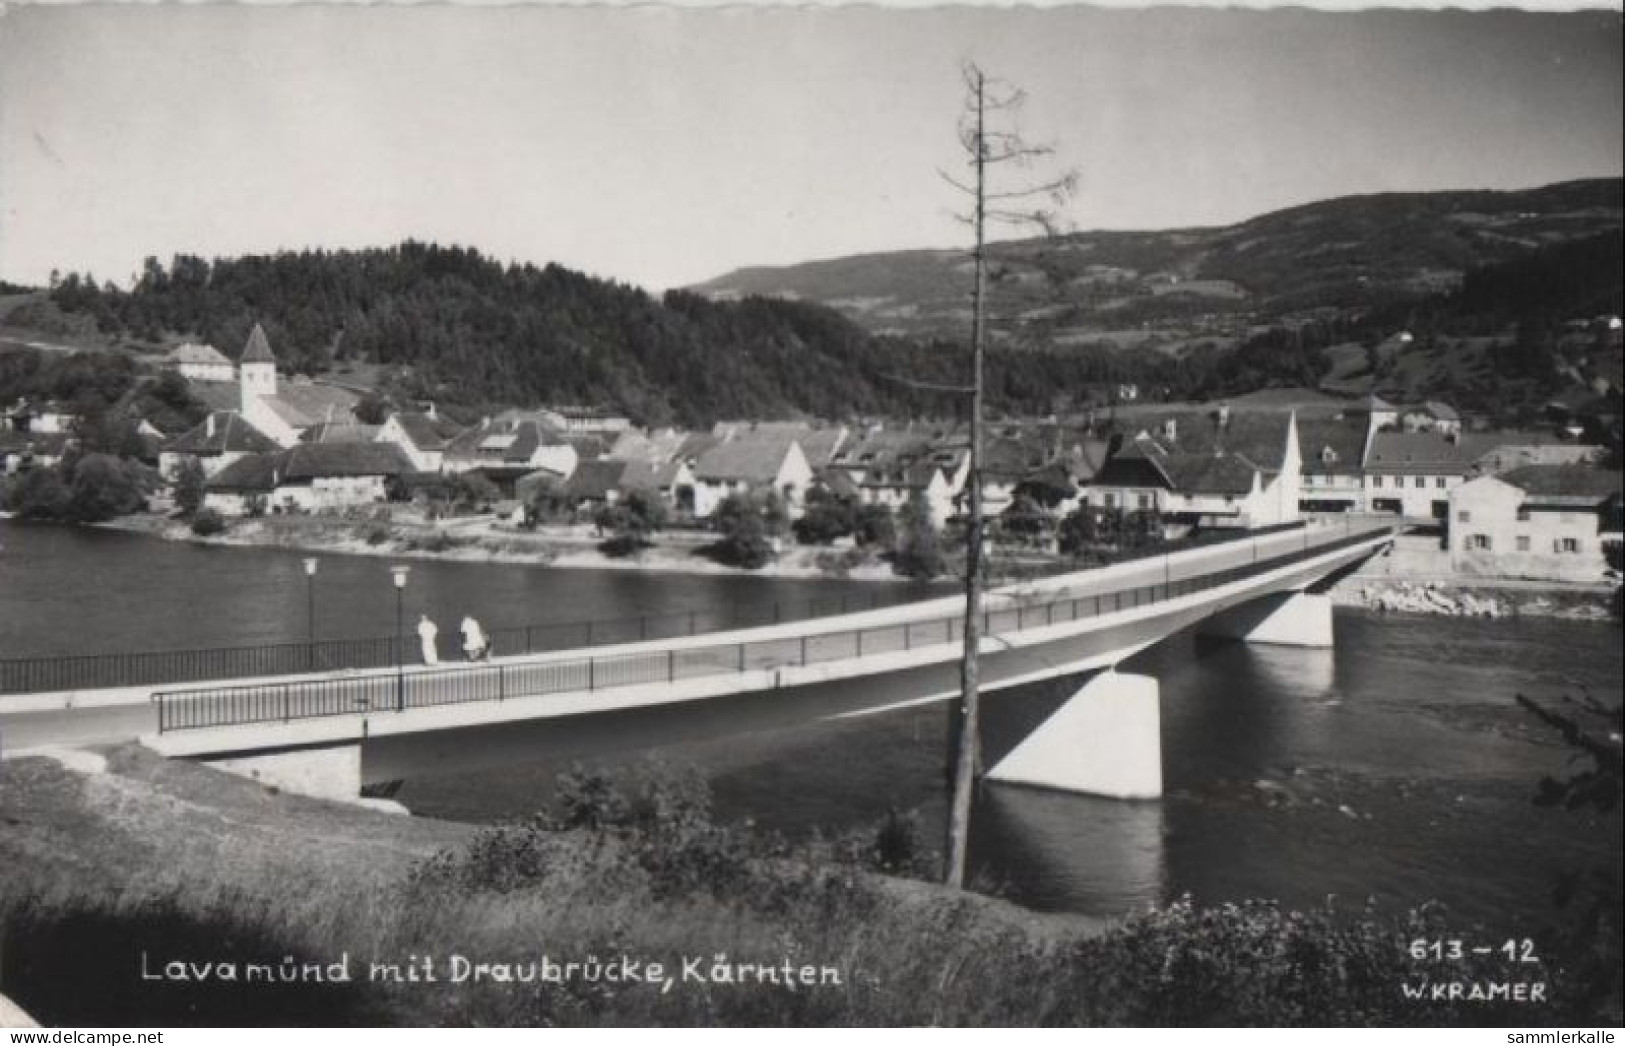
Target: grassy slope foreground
x=182 y=863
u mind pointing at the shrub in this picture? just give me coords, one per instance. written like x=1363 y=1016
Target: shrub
x=207 y=522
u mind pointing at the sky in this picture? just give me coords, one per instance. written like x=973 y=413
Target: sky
x=663 y=146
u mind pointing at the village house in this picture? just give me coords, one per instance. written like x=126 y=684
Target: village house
x=1546 y=522
x=197 y=362
x=421 y=435
x=508 y=448
x=1432 y=416
x=218 y=440
x=753 y=463
x=47 y=417
x=1333 y=450
x=308 y=478
x=588 y=421
x=1231 y=469
x=1411 y=474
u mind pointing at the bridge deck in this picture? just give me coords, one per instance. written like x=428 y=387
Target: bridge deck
x=1010 y=611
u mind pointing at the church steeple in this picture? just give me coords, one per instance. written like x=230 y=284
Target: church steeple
x=256 y=369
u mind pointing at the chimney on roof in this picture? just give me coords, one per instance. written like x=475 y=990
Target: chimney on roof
x=1170 y=429
x=430 y=412
x=1224 y=415
x=208 y=426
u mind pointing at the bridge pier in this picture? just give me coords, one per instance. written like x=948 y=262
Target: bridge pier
x=1105 y=740
x=1283 y=618
x=322 y=772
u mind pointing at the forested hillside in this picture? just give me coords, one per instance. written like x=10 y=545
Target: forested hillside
x=451 y=324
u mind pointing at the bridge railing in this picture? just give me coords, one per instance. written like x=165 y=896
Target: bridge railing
x=32 y=675
x=402 y=690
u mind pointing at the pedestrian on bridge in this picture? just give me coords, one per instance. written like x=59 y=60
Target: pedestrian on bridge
x=476 y=644
x=428 y=632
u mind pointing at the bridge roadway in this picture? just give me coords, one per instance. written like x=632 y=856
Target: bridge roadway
x=334 y=734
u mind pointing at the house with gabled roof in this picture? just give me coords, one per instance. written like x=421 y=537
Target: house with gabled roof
x=1333 y=452
x=1547 y=522
x=753 y=463
x=308 y=477
x=198 y=362
x=421 y=435
x=219 y=439
x=503 y=450
x=1220 y=468
x=1411 y=474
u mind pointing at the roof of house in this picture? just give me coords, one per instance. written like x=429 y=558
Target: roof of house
x=1331 y=445
x=251 y=473
x=310 y=461
x=1413 y=453
x=424 y=432
x=230 y=433
x=1259 y=436
x=193 y=352
x=593 y=480
x=651 y=476
x=303 y=403
x=1564 y=484
x=216 y=395
x=752 y=458
x=340 y=432
x=502 y=442
x=1209 y=473
x=315 y=460
x=258 y=349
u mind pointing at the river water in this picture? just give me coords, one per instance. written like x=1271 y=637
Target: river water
x=1395 y=768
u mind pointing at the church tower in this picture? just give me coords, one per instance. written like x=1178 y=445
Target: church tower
x=257 y=369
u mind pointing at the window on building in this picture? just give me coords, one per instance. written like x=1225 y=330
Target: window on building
x=1111 y=500
x=1439 y=482
x=1145 y=501
x=1568 y=545
x=1419 y=482
x=1463 y=516
x=1478 y=542
x=1523 y=514
x=1376 y=481
x=1523 y=542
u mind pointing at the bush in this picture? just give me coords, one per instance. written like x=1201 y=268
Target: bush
x=207 y=522
x=37 y=494
x=744 y=540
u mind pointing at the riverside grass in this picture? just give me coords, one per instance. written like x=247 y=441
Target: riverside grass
x=182 y=863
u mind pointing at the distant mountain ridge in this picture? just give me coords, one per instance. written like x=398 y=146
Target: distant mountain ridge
x=1355 y=252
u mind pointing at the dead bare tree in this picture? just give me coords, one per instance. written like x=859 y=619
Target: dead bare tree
x=989 y=140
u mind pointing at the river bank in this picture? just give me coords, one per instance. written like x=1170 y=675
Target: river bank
x=188 y=896
x=483 y=540
x=1476 y=597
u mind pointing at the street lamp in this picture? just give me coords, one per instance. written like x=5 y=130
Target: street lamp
x=310 y=607
x=399 y=572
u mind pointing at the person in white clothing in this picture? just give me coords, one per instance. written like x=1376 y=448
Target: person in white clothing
x=476 y=645
x=428 y=632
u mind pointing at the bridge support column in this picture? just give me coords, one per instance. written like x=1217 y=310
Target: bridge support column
x=327 y=772
x=1285 y=619
x=1106 y=740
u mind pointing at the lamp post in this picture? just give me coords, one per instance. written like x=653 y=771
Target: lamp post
x=399 y=572
x=310 y=609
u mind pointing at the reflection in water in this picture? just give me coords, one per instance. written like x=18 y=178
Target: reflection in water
x=1026 y=844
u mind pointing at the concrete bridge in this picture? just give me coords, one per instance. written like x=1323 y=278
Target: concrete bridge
x=333 y=734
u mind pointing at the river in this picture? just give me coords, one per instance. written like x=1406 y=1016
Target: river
x=1395 y=768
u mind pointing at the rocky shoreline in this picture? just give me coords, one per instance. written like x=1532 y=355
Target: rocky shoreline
x=1474 y=600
